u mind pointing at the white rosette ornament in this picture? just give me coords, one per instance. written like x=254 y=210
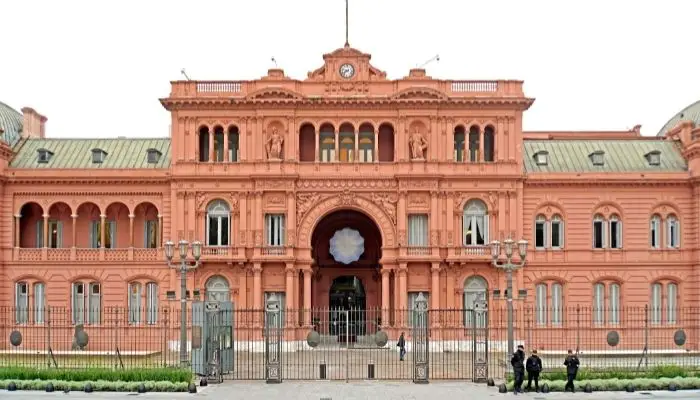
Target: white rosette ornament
x=347 y=245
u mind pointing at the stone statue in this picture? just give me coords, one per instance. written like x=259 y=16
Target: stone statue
x=417 y=144
x=273 y=146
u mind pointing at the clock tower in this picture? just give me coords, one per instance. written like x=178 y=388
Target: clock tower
x=347 y=64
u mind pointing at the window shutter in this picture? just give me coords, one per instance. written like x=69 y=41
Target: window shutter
x=40 y=233
x=282 y=238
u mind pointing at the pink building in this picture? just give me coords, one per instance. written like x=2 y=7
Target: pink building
x=346 y=181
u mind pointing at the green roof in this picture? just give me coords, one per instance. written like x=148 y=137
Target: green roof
x=122 y=153
x=620 y=156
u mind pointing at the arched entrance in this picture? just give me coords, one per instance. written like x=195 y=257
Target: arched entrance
x=346 y=247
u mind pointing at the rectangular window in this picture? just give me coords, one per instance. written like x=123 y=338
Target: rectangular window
x=654 y=233
x=416 y=318
x=672 y=233
x=39 y=233
x=540 y=233
x=541 y=304
x=557 y=234
x=598 y=234
x=134 y=303
x=55 y=234
x=39 y=303
x=94 y=304
x=557 y=300
x=418 y=230
x=96 y=234
x=280 y=322
x=151 y=303
x=274 y=230
x=671 y=303
x=150 y=234
x=21 y=303
x=599 y=303
x=615 y=234
x=656 y=305
x=78 y=303
x=218 y=229
x=614 y=313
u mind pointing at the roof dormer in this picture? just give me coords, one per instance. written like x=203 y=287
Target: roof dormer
x=153 y=156
x=43 y=156
x=597 y=157
x=653 y=157
x=98 y=156
x=541 y=157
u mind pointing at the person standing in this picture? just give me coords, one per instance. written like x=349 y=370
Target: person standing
x=518 y=363
x=533 y=366
x=401 y=344
x=572 y=364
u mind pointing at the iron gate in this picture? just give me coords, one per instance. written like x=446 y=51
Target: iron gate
x=212 y=339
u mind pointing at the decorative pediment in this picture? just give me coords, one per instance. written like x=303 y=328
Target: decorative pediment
x=419 y=93
x=274 y=93
x=358 y=62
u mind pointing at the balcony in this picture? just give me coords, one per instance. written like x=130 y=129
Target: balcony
x=275 y=252
x=464 y=254
x=74 y=254
x=612 y=256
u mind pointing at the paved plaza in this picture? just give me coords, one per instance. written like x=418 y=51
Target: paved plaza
x=353 y=391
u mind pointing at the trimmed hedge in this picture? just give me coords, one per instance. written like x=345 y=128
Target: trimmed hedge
x=98 y=385
x=610 y=385
x=662 y=371
x=172 y=375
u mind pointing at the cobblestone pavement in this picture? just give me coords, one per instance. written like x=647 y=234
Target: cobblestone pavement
x=354 y=391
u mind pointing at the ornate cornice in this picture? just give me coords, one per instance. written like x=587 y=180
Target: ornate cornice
x=85 y=193
x=607 y=183
x=92 y=181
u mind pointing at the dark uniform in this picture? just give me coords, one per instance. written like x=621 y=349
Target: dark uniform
x=533 y=366
x=571 y=363
x=518 y=363
x=401 y=344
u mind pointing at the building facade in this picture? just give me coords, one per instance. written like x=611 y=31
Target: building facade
x=347 y=182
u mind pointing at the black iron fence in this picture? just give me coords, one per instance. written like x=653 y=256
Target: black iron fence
x=348 y=344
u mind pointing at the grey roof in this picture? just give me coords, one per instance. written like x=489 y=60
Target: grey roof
x=11 y=123
x=620 y=155
x=122 y=153
x=690 y=113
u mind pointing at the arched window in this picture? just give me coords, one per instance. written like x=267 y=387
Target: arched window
x=134 y=303
x=549 y=302
x=557 y=228
x=475 y=224
x=459 y=137
x=475 y=298
x=86 y=302
x=664 y=303
x=489 y=144
x=21 y=302
x=218 y=289
x=474 y=139
x=540 y=232
x=204 y=144
x=140 y=299
x=598 y=232
x=151 y=303
x=218 y=223
x=606 y=303
x=673 y=238
x=655 y=232
x=234 y=153
x=615 y=235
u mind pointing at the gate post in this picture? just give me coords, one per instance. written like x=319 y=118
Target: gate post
x=420 y=326
x=480 y=342
x=273 y=338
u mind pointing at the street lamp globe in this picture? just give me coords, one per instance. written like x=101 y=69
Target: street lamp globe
x=183 y=245
x=196 y=249
x=495 y=249
x=508 y=247
x=169 y=248
x=522 y=248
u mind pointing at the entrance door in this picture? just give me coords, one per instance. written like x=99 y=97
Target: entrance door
x=348 y=306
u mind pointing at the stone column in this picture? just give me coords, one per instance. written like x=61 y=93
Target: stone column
x=435 y=287
x=257 y=286
x=403 y=294
x=386 y=305
x=211 y=145
x=337 y=144
x=74 y=233
x=375 y=151
x=46 y=231
x=159 y=239
x=317 y=136
x=131 y=230
x=289 y=294
x=103 y=218
x=307 y=296
x=226 y=157
x=401 y=216
x=291 y=152
x=18 y=219
x=355 y=156
x=481 y=144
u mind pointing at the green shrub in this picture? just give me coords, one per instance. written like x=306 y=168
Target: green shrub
x=616 y=385
x=174 y=375
x=662 y=371
x=98 y=386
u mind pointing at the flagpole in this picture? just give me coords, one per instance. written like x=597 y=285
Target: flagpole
x=347 y=42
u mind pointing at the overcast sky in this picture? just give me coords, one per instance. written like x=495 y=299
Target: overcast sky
x=97 y=68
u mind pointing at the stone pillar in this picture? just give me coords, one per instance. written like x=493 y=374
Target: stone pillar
x=401 y=217
x=307 y=296
x=375 y=151
x=159 y=239
x=226 y=157
x=45 y=234
x=355 y=156
x=131 y=230
x=317 y=153
x=291 y=219
x=258 y=219
x=403 y=294
x=211 y=145
x=289 y=294
x=386 y=305
x=18 y=219
x=337 y=144
x=257 y=291
x=435 y=288
x=74 y=233
x=103 y=218
x=291 y=152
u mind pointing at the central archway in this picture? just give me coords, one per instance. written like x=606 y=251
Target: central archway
x=346 y=243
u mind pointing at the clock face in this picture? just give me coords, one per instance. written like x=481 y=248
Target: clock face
x=347 y=71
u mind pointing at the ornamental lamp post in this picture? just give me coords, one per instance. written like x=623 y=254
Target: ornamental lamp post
x=509 y=265
x=185 y=265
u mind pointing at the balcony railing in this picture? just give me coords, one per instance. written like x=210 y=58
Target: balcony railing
x=273 y=251
x=87 y=254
